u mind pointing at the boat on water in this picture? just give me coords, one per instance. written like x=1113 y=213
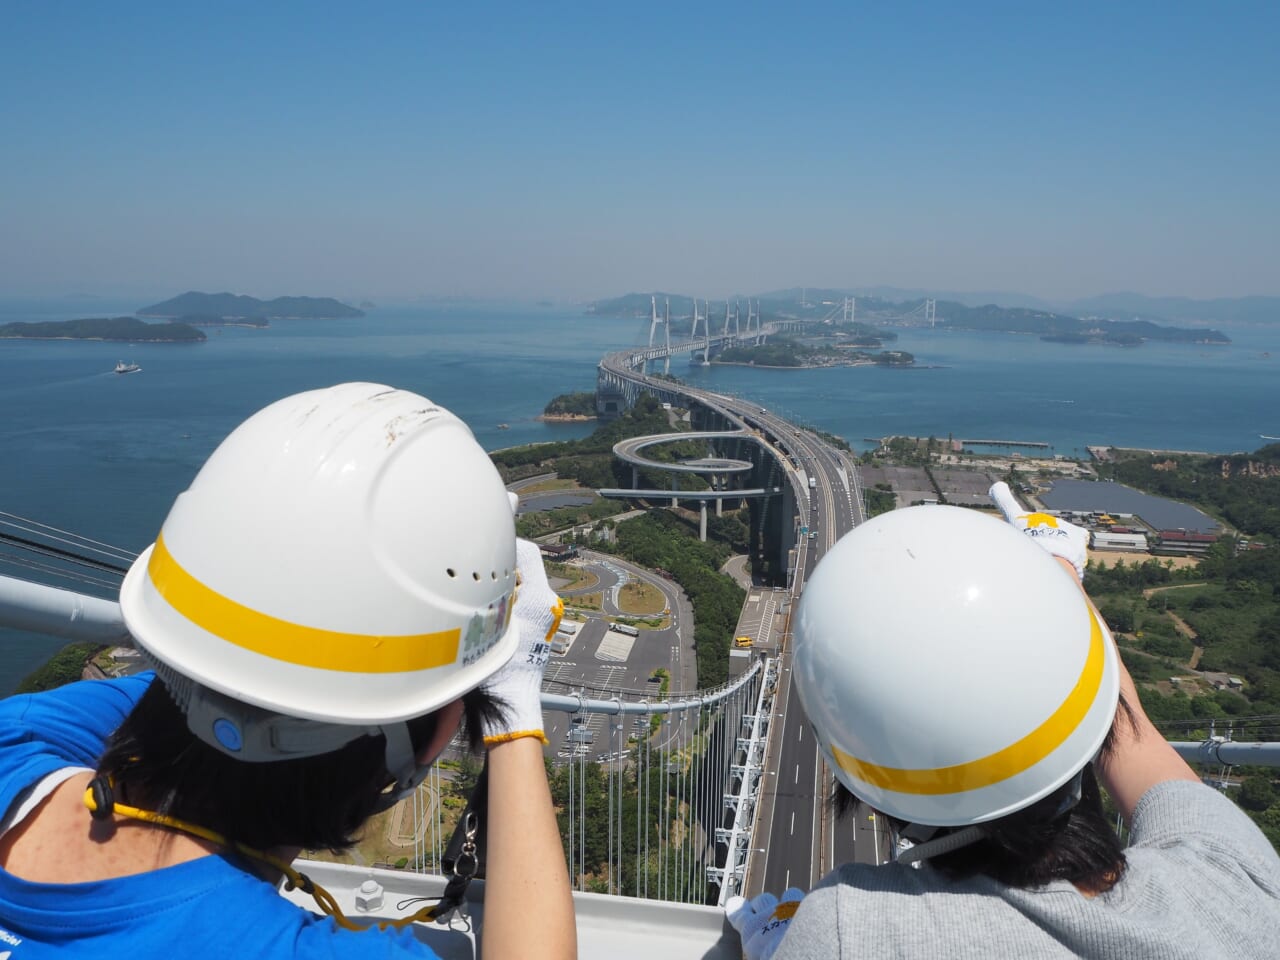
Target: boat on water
x=122 y=367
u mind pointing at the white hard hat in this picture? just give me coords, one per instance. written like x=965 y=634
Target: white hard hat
x=345 y=555
x=952 y=670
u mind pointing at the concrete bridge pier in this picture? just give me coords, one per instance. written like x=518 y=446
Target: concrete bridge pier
x=702 y=521
x=675 y=501
x=635 y=478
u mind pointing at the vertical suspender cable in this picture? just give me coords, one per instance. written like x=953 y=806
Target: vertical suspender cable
x=570 y=821
x=648 y=815
x=582 y=821
x=609 y=808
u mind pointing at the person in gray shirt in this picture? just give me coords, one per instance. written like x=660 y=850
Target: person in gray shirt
x=1007 y=710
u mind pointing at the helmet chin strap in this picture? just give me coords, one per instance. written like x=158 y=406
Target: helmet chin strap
x=944 y=844
x=402 y=763
x=962 y=838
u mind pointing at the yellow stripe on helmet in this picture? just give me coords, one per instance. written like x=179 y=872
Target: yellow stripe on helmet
x=1005 y=763
x=279 y=639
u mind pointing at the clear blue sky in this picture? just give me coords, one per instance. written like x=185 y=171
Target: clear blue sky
x=580 y=150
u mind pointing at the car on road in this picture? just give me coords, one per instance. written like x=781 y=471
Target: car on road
x=743 y=641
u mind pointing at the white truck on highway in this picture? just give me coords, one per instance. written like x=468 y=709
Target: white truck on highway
x=813 y=482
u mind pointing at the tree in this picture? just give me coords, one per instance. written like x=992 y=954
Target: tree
x=65 y=666
x=1256 y=793
x=1119 y=616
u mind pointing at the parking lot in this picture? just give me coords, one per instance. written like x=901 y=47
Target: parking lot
x=601 y=664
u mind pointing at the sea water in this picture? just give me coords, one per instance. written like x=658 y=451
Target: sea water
x=103 y=454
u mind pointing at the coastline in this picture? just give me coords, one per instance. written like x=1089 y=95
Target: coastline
x=810 y=366
x=117 y=339
x=565 y=417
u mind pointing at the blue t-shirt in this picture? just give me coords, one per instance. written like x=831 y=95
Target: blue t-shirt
x=208 y=907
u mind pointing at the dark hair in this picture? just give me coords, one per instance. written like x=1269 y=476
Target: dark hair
x=1038 y=844
x=316 y=803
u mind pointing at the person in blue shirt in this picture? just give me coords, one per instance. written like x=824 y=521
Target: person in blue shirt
x=338 y=592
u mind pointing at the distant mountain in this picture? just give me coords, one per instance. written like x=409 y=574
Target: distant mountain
x=1110 y=306
x=233 y=306
x=1129 y=306
x=819 y=304
x=970 y=298
x=1065 y=328
x=127 y=329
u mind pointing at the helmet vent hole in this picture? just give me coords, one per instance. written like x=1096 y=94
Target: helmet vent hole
x=451 y=572
x=475 y=576
x=493 y=574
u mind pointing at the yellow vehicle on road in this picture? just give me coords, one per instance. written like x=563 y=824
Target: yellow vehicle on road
x=742 y=641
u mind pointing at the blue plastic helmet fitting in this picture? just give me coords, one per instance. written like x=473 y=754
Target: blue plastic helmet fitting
x=228 y=734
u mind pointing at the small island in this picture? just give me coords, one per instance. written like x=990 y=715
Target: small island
x=786 y=354
x=570 y=408
x=230 y=306
x=114 y=329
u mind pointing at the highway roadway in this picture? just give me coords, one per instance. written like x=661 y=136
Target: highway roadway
x=796 y=841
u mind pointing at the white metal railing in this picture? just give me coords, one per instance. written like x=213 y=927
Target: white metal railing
x=737 y=838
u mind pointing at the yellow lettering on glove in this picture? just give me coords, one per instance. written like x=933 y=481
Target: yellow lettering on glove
x=786 y=910
x=1040 y=520
x=557 y=614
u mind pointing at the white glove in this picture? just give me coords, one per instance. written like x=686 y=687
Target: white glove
x=762 y=921
x=1059 y=537
x=519 y=683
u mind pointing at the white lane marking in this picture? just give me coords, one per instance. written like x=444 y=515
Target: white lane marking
x=793 y=823
x=800 y=735
x=797 y=779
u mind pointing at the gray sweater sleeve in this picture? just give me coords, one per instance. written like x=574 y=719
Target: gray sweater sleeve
x=1202 y=881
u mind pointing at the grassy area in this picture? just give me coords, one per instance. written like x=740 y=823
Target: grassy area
x=550 y=485
x=531 y=525
x=644 y=623
x=586 y=601
x=638 y=597
x=576 y=578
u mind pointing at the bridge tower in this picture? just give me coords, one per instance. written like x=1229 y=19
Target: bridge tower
x=706 y=331
x=706 y=337
x=666 y=323
x=931 y=311
x=737 y=331
x=665 y=320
